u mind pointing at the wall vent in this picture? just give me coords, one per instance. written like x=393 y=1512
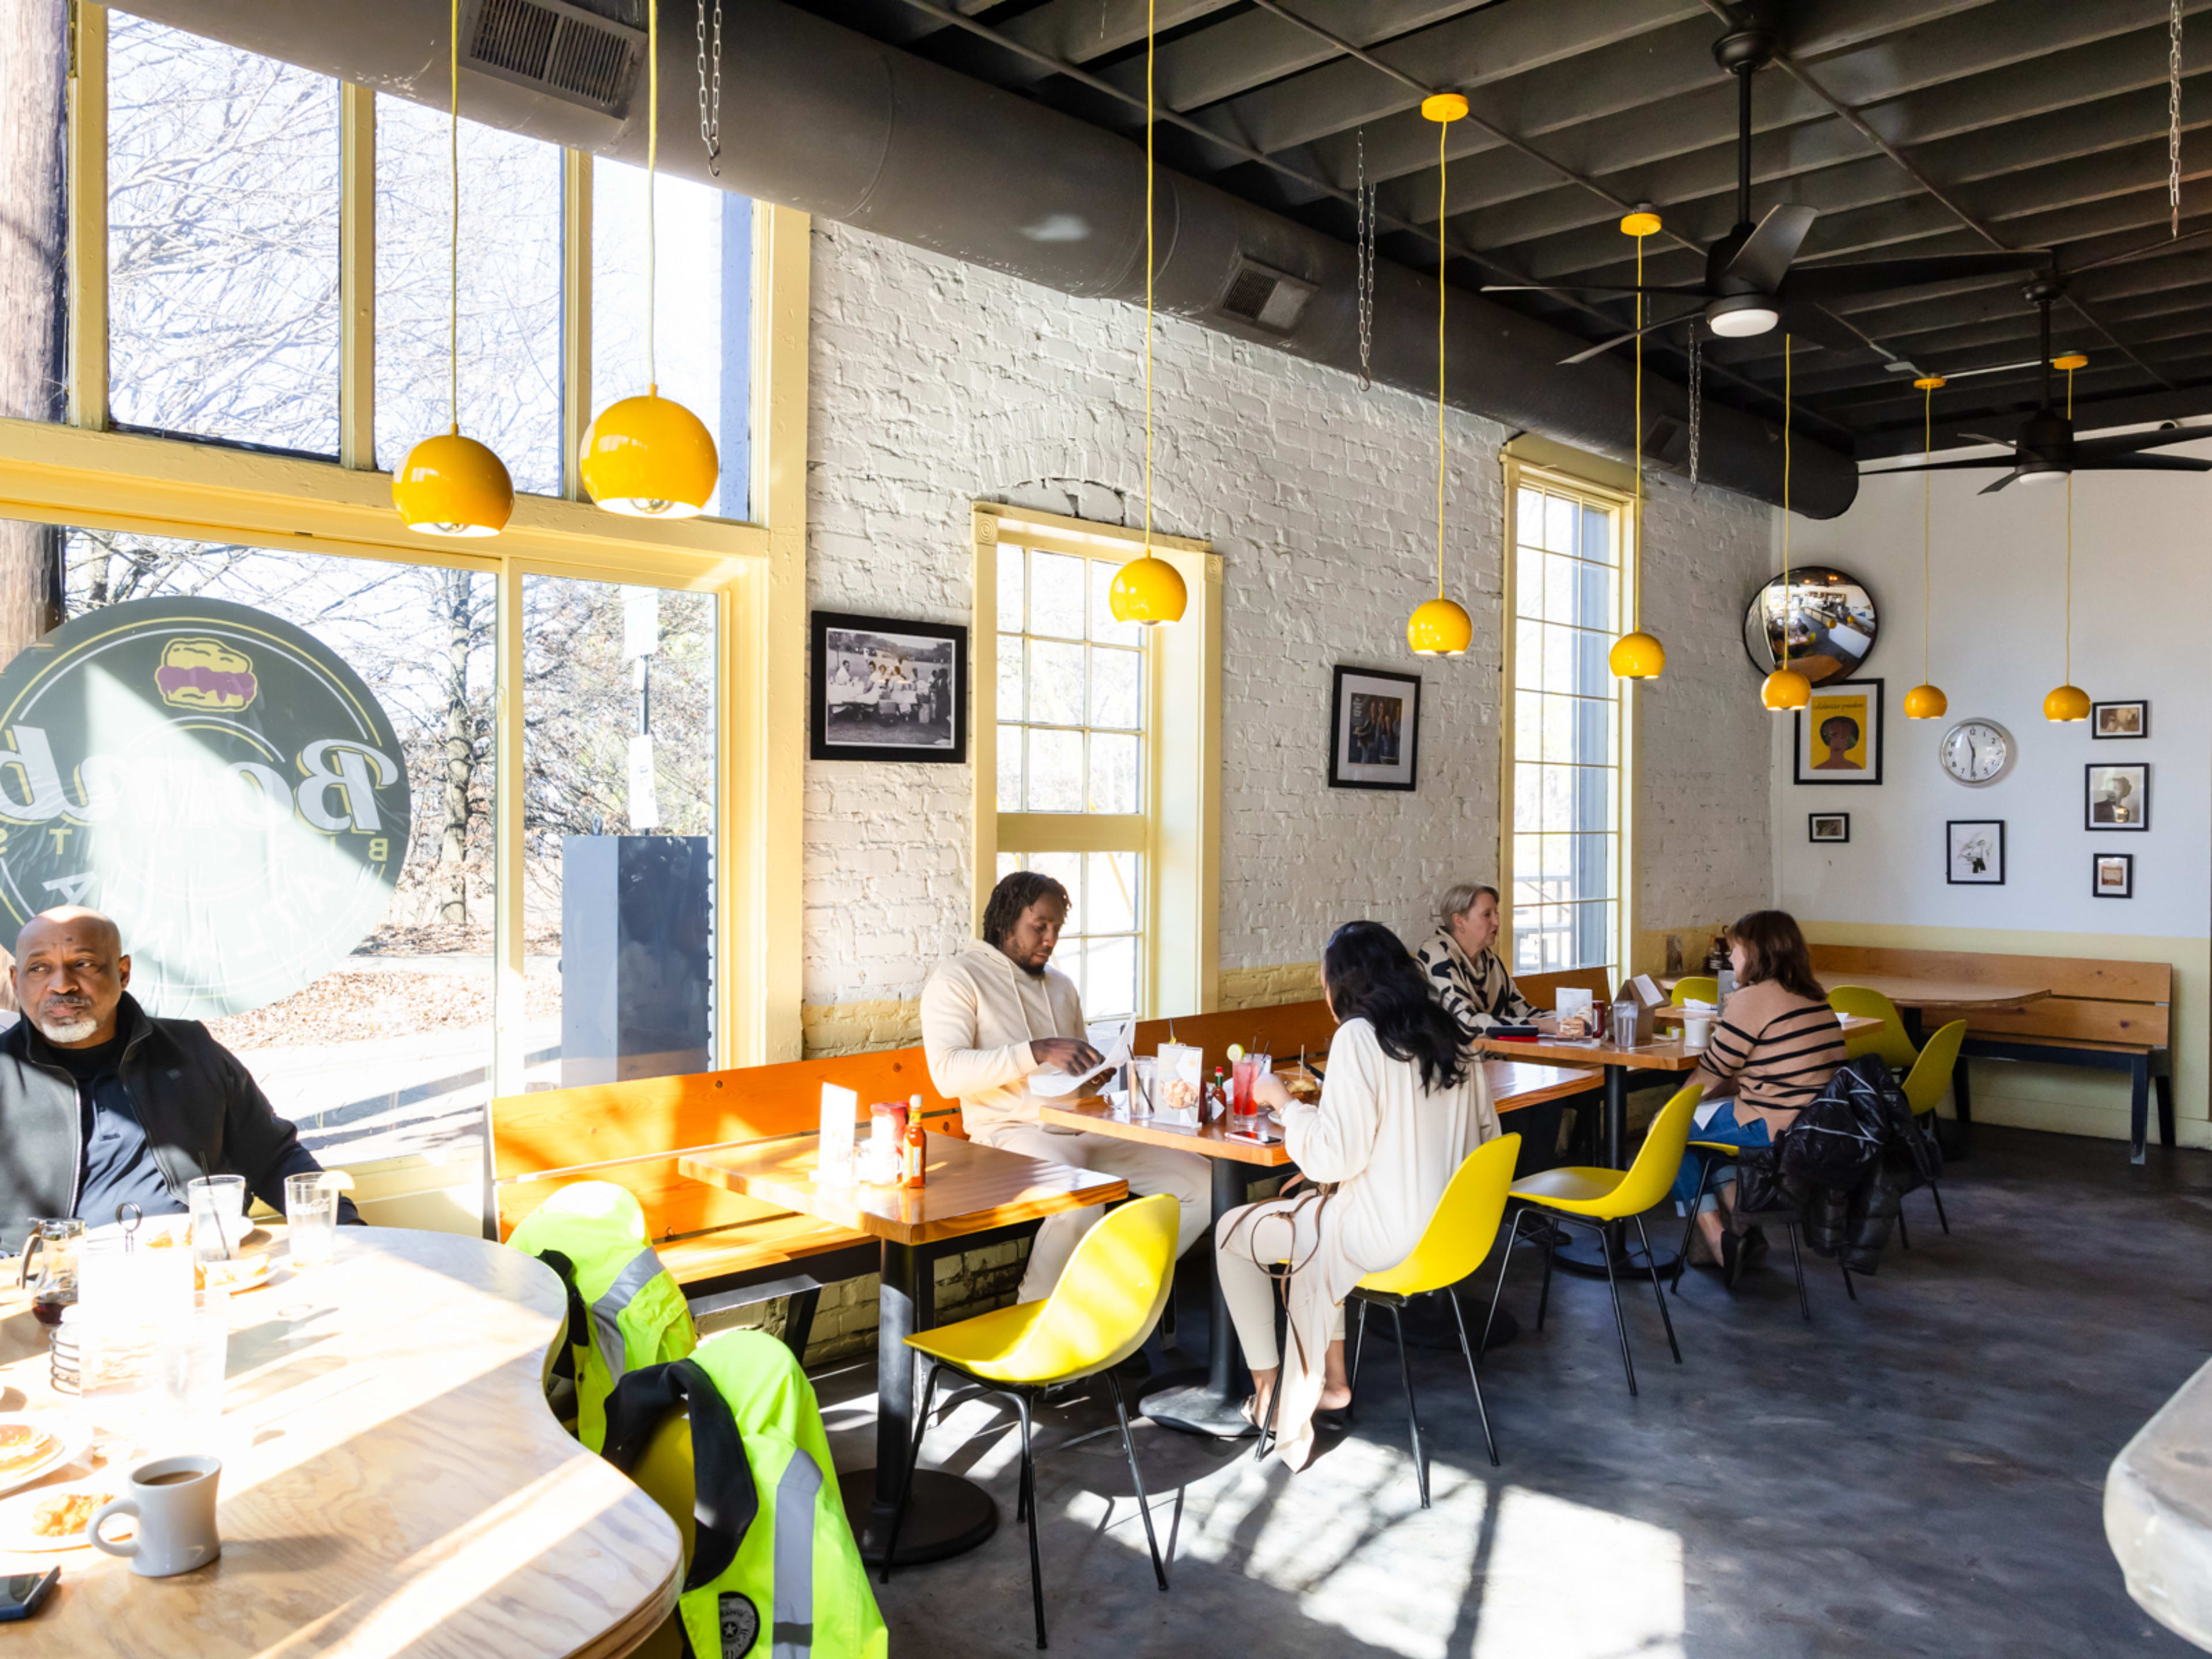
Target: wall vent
x=570 y=52
x=1264 y=297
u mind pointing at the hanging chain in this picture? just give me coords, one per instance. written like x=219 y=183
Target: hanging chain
x=1363 y=194
x=710 y=90
x=1697 y=400
x=2173 y=118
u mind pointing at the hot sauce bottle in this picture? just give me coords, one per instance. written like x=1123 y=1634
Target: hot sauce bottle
x=914 y=1149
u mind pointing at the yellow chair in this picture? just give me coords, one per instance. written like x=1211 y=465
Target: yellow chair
x=1106 y=1302
x=1721 y=1149
x=1583 y=1197
x=1695 y=987
x=1456 y=1242
x=1924 y=1091
x=1895 y=1048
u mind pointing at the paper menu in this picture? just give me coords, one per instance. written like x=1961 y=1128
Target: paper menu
x=1647 y=990
x=841 y=1107
x=1180 y=1078
x=1054 y=1084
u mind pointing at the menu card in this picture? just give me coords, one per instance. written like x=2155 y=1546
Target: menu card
x=841 y=1107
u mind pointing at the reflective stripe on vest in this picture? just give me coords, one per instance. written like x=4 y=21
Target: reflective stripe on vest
x=643 y=1268
x=794 y=1635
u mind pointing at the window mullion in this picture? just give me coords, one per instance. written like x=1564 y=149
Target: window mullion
x=88 y=216
x=356 y=277
x=575 y=315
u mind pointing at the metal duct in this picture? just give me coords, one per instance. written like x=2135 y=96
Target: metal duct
x=817 y=118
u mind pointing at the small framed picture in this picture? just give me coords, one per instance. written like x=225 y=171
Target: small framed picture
x=1374 y=728
x=2117 y=797
x=2113 y=875
x=2119 y=719
x=886 y=689
x=1839 y=734
x=1974 y=852
x=1828 y=826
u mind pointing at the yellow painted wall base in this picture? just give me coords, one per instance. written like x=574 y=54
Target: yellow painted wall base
x=855 y=1028
x=1649 y=951
x=1268 y=988
x=2066 y=1099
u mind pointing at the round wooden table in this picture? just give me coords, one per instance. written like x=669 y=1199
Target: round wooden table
x=392 y=1482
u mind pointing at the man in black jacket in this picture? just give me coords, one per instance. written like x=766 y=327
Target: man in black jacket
x=101 y=1104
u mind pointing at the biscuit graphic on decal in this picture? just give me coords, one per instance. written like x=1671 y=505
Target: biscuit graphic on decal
x=205 y=674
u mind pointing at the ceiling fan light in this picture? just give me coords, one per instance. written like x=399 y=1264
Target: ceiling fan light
x=1741 y=316
x=2067 y=703
x=2043 y=475
x=1439 y=627
x=450 y=485
x=649 y=457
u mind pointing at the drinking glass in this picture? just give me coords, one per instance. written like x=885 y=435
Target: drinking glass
x=1243 y=1074
x=194 y=1352
x=218 y=1210
x=311 y=1211
x=1144 y=1078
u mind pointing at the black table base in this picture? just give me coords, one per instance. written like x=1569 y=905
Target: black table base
x=945 y=1515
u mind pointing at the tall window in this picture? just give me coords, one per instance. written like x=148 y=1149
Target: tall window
x=1071 y=740
x=1566 y=767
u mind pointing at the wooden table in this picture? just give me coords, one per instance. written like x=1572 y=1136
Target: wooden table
x=392 y=1482
x=1914 y=993
x=1178 y=1401
x=970 y=1189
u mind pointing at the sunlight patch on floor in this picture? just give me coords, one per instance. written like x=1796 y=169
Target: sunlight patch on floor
x=1572 y=1582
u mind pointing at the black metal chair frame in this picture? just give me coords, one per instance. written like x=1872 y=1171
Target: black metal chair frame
x=1561 y=1218
x=1396 y=1306
x=1024 y=1397
x=1788 y=1219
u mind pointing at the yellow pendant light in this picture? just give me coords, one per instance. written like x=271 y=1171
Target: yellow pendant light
x=1440 y=627
x=1926 y=700
x=450 y=485
x=1637 y=655
x=649 y=456
x=1785 y=688
x=1147 y=590
x=2068 y=702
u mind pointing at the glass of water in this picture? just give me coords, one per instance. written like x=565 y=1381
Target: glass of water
x=218 y=1204
x=311 y=1211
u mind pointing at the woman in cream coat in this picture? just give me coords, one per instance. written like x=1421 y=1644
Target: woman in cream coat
x=1402 y=1105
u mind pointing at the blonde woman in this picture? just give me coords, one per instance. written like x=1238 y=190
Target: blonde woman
x=1465 y=973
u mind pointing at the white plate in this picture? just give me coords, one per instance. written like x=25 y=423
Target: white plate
x=16 y=1512
x=70 y=1441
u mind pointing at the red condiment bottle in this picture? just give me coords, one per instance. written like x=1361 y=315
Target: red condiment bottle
x=913 y=1154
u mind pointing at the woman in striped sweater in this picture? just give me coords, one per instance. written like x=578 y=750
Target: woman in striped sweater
x=1773 y=1050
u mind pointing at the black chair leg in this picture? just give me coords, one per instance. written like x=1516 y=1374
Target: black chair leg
x=798 y=1322
x=1473 y=1376
x=1936 y=1193
x=913 y=1457
x=1848 y=1290
x=1358 y=1341
x=1690 y=1227
x=1658 y=1294
x=1797 y=1265
x=1137 y=1479
x=1544 y=1296
x=1903 y=1238
x=1413 y=1415
x=1029 y=1495
x=1620 y=1322
x=1504 y=1262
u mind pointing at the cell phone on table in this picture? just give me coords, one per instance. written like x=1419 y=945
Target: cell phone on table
x=23 y=1594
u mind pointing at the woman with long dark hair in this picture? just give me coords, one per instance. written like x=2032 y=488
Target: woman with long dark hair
x=1403 y=1104
x=1776 y=1044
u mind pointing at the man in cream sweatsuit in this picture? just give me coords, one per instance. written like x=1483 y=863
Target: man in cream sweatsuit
x=995 y=1012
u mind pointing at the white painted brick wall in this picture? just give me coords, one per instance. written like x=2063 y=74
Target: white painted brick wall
x=935 y=384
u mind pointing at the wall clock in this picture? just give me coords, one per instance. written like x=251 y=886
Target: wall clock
x=1977 y=752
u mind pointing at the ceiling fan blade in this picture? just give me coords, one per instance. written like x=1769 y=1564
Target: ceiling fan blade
x=1584 y=356
x=1880 y=276
x=1763 y=259
x=1993 y=489
x=1581 y=287
x=1991 y=368
x=2141 y=464
x=2128 y=443
x=1944 y=466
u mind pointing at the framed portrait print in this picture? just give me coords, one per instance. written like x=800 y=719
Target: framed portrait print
x=1828 y=826
x=2113 y=875
x=1839 y=738
x=1374 y=728
x=1974 y=852
x=2117 y=797
x=2120 y=720
x=888 y=691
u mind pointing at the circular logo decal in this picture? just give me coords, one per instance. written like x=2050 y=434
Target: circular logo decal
x=218 y=781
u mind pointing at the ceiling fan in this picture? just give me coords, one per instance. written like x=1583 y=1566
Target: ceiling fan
x=1749 y=287
x=2046 y=450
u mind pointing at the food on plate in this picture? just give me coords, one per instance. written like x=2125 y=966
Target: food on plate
x=249 y=1268
x=22 y=1444
x=1303 y=1084
x=67 y=1514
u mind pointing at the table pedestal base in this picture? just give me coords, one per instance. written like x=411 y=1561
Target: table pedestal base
x=945 y=1515
x=1197 y=1410
x=1582 y=1256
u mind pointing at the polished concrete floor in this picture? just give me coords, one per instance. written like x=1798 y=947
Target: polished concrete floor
x=1920 y=1472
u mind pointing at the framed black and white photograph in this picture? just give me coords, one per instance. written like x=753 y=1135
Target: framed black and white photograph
x=2117 y=797
x=1839 y=734
x=1974 y=852
x=1374 y=728
x=2120 y=720
x=2113 y=875
x=884 y=690
x=1828 y=826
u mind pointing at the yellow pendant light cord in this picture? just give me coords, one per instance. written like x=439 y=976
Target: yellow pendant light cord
x=1152 y=20
x=1442 y=128
x=454 y=240
x=1788 y=398
x=1639 y=617
x=1927 y=516
x=2069 y=539
x=652 y=178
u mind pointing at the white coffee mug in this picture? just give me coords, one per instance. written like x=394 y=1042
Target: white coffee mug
x=174 y=1499
x=1696 y=1030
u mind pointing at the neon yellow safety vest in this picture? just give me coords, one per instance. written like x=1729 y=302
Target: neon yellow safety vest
x=626 y=1311
x=775 y=1573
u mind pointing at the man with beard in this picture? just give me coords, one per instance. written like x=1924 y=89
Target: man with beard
x=103 y=1105
x=994 y=1013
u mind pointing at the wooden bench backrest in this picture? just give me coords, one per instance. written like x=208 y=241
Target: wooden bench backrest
x=1280 y=1032
x=2091 y=1001
x=1542 y=990
x=632 y=1133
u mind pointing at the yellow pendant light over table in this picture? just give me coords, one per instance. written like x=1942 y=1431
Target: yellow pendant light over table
x=450 y=485
x=2068 y=702
x=1637 y=655
x=1147 y=590
x=649 y=456
x=1440 y=627
x=1926 y=700
x=1785 y=688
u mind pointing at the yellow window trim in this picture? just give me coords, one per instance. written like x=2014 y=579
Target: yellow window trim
x=1180 y=834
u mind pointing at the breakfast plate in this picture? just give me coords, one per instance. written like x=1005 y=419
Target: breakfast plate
x=60 y=1517
x=39 y=1443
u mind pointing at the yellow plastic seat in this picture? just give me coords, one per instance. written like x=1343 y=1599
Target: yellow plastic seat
x=1455 y=1243
x=1106 y=1303
x=1924 y=1091
x=1578 y=1195
x=1695 y=987
x=1895 y=1048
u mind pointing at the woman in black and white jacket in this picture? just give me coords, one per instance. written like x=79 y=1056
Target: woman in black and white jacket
x=1465 y=976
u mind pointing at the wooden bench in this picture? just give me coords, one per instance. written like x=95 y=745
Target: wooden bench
x=2107 y=1015
x=726 y=1251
